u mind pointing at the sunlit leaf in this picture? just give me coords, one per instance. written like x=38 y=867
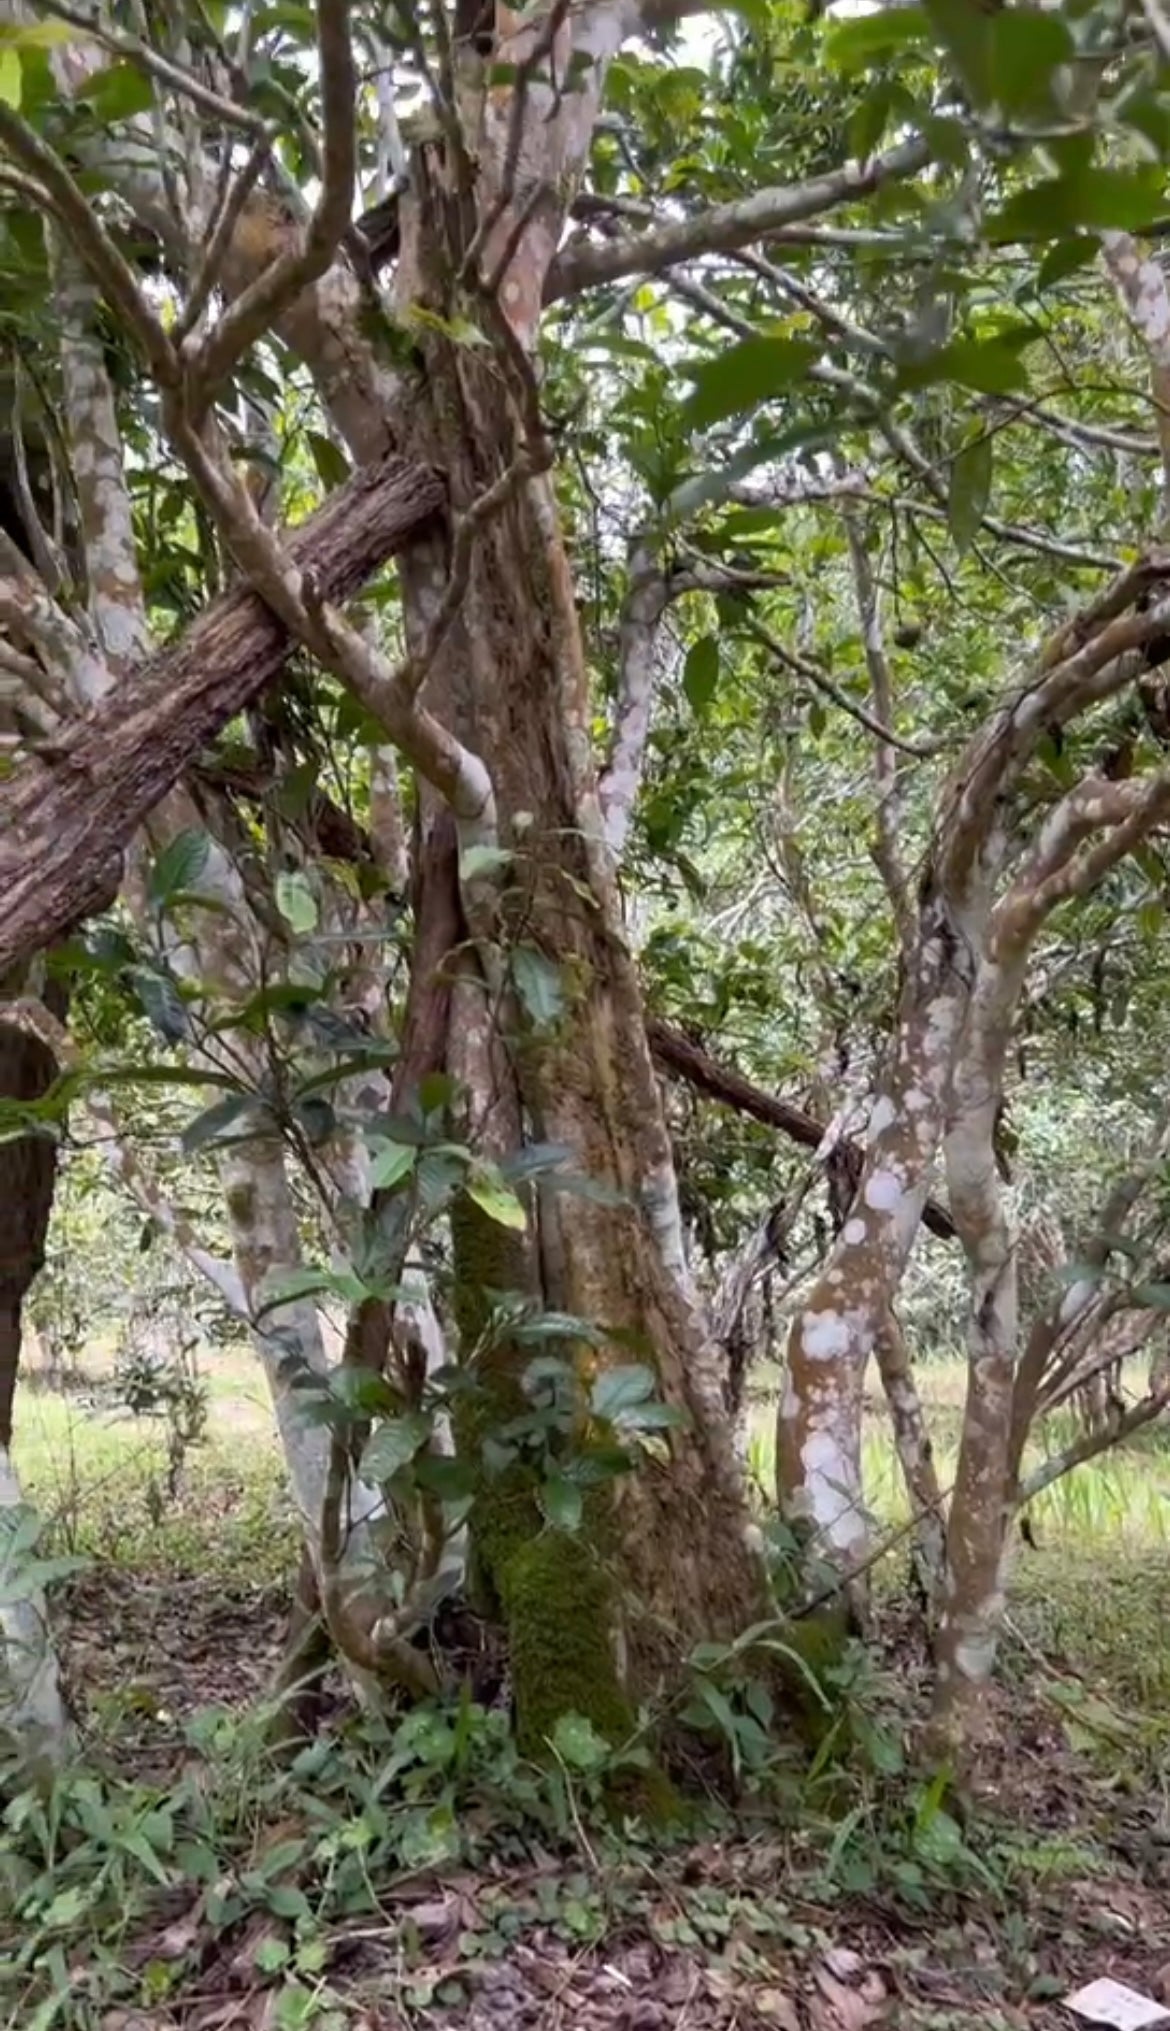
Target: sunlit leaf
x=296 y=902
x=487 y=1189
x=537 y=980
x=393 y=1444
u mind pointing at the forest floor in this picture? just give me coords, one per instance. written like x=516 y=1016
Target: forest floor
x=185 y=1882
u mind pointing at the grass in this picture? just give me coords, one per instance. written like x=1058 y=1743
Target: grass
x=280 y=1868
x=100 y=1478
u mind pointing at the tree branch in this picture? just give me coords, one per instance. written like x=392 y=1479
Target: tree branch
x=725 y=227
x=68 y=810
x=676 y=1054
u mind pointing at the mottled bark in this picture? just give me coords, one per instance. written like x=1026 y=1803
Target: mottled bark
x=68 y=812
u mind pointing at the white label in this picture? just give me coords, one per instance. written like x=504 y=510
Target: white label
x=1107 y=2002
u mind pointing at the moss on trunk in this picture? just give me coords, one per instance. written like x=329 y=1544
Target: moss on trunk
x=550 y=1588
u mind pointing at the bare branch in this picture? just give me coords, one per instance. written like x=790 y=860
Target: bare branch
x=212 y=359
x=136 y=50
x=814 y=675
x=725 y=227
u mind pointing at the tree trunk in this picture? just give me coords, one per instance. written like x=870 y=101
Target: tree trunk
x=595 y=1622
x=32 y=1713
x=836 y=1329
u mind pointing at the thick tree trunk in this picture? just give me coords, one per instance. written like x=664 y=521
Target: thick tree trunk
x=67 y=812
x=595 y=1622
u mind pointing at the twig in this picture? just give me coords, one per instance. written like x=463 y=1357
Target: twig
x=814 y=675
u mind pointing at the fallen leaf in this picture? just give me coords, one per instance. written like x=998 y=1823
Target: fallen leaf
x=841 y=2007
x=776 y=2009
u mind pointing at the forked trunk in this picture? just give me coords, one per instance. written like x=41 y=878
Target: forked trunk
x=601 y=1619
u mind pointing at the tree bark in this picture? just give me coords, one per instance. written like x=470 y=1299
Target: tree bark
x=68 y=810
x=32 y=1713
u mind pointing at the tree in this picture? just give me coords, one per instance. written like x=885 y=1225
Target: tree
x=773 y=389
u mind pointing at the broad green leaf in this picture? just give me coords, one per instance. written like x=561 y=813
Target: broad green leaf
x=854 y=44
x=329 y=459
x=1027 y=44
x=869 y=120
x=296 y=902
x=162 y=1004
x=991 y=366
x=754 y=371
x=1095 y=197
x=577 y=1743
x=970 y=490
x=562 y=1502
x=701 y=674
x=216 y=1120
x=1065 y=259
x=963 y=28
x=393 y=1445
x=289 y=1286
x=11 y=77
x=178 y=867
x=487 y=1189
x=120 y=92
x=537 y=981
x=393 y=1162
x=619 y=1389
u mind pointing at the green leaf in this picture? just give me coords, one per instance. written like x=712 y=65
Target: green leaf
x=393 y=1445
x=562 y=1502
x=992 y=366
x=11 y=77
x=855 y=44
x=162 y=1004
x=1026 y=45
x=1092 y=197
x=869 y=119
x=331 y=462
x=296 y=902
x=537 y=981
x=486 y=1188
x=450 y=1480
x=970 y=490
x=1064 y=259
x=120 y=92
x=701 y=674
x=287 y=1287
x=215 y=1121
x=746 y=374
x=394 y=1162
x=619 y=1389
x=577 y=1743
x=178 y=867
x=964 y=30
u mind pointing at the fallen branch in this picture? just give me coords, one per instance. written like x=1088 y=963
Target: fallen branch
x=72 y=805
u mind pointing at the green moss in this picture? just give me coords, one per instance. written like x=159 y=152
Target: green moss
x=548 y=1587
x=812 y=1647
x=557 y=1601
